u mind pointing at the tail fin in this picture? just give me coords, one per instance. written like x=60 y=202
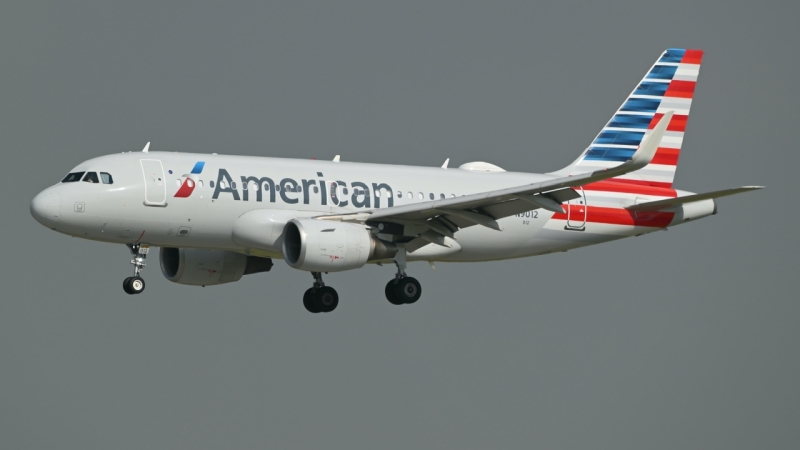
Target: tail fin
x=668 y=85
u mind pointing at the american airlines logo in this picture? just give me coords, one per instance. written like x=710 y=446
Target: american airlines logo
x=308 y=191
x=188 y=185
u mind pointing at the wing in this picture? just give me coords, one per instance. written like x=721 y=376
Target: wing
x=439 y=218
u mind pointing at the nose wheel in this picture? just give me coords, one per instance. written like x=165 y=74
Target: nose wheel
x=135 y=284
x=320 y=298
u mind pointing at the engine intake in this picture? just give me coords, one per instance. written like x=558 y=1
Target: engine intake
x=198 y=267
x=328 y=246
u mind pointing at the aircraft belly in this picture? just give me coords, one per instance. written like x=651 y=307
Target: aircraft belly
x=529 y=238
x=479 y=243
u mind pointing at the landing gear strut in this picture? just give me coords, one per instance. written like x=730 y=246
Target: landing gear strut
x=402 y=290
x=135 y=284
x=320 y=298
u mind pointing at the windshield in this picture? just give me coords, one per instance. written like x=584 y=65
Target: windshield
x=74 y=176
x=91 y=177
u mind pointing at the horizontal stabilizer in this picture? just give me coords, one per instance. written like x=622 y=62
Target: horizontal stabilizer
x=670 y=202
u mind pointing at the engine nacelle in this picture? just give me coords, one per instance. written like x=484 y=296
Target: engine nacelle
x=199 y=267
x=329 y=246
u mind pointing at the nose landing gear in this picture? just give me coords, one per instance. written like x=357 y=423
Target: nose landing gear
x=135 y=284
x=320 y=298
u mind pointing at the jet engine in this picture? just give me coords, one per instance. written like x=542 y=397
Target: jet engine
x=199 y=267
x=329 y=246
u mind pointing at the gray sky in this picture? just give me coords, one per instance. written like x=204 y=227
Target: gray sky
x=681 y=339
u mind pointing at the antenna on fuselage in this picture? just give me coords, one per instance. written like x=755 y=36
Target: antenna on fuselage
x=336 y=158
x=446 y=162
x=146 y=148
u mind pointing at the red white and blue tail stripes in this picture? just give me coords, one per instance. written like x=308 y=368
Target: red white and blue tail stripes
x=668 y=85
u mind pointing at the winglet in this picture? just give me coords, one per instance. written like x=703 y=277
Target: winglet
x=146 y=148
x=647 y=150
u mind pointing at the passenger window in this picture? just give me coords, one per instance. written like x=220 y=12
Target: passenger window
x=201 y=183
x=421 y=196
x=211 y=184
x=106 y=177
x=399 y=194
x=441 y=196
x=91 y=177
x=73 y=177
x=431 y=196
x=410 y=195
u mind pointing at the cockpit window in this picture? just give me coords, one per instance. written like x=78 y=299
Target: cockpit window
x=106 y=177
x=91 y=177
x=74 y=176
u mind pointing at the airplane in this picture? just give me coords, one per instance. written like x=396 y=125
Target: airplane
x=217 y=218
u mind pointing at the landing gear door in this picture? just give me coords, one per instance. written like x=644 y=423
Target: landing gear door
x=576 y=212
x=155 y=185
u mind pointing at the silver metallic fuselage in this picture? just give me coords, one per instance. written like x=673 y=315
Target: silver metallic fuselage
x=118 y=212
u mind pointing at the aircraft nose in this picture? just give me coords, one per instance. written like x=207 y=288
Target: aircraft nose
x=46 y=207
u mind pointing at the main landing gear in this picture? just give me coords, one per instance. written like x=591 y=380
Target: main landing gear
x=135 y=284
x=320 y=298
x=402 y=290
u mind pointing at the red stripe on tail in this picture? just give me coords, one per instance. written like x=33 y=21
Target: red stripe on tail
x=618 y=216
x=633 y=187
x=692 y=57
x=666 y=156
x=678 y=122
x=682 y=89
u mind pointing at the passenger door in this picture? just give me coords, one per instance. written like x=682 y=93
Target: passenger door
x=155 y=185
x=576 y=212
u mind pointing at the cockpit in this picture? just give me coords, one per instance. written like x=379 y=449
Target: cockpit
x=89 y=177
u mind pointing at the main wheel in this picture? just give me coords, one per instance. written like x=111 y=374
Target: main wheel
x=327 y=299
x=136 y=285
x=310 y=301
x=126 y=286
x=390 y=295
x=407 y=290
